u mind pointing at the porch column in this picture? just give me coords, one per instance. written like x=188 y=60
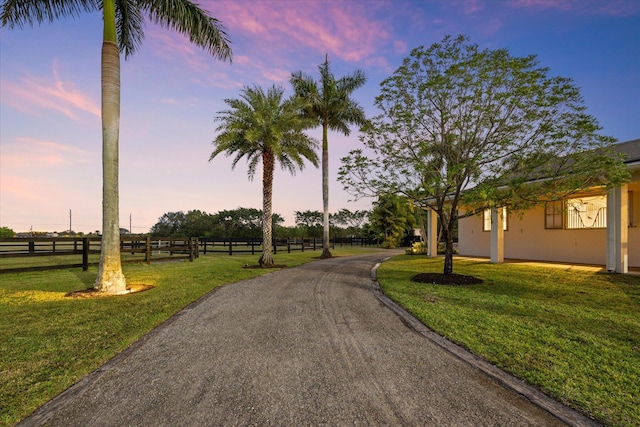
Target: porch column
x=617 y=230
x=432 y=233
x=497 y=236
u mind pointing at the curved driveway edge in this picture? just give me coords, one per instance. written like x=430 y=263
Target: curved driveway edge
x=562 y=412
x=309 y=345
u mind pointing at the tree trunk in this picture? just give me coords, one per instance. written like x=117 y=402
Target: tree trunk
x=446 y=228
x=448 y=253
x=326 y=253
x=268 y=164
x=110 y=276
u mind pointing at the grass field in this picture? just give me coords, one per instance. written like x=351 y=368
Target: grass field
x=575 y=335
x=48 y=341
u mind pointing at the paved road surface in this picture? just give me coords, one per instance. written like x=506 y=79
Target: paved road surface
x=303 y=346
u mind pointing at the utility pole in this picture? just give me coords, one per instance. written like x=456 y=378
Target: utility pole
x=70 y=221
x=130 y=229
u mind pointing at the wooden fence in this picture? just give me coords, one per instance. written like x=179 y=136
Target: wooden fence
x=16 y=254
x=254 y=245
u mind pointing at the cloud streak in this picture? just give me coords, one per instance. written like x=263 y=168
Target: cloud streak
x=33 y=152
x=33 y=94
x=346 y=30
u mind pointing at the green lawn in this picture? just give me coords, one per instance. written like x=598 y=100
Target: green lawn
x=48 y=341
x=575 y=335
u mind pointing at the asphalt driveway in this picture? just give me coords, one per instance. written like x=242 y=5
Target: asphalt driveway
x=311 y=345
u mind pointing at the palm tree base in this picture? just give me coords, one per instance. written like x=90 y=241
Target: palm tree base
x=266 y=260
x=111 y=279
x=326 y=254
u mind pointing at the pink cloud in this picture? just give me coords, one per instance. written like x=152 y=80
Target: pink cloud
x=174 y=47
x=32 y=94
x=471 y=7
x=41 y=153
x=400 y=46
x=241 y=59
x=343 y=29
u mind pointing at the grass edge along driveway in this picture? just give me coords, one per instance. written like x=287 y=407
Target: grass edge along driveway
x=575 y=335
x=48 y=342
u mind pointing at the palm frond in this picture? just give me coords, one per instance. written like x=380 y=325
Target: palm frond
x=187 y=18
x=129 y=27
x=328 y=100
x=18 y=13
x=260 y=122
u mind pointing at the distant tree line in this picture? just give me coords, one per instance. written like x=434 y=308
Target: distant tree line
x=391 y=222
x=247 y=222
x=238 y=223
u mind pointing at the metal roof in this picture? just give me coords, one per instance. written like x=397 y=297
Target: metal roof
x=631 y=150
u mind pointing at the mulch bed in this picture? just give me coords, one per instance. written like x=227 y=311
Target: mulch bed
x=446 y=279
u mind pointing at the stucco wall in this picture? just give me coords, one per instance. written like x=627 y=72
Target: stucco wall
x=634 y=230
x=526 y=238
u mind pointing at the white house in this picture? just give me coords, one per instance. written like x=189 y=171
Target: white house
x=593 y=227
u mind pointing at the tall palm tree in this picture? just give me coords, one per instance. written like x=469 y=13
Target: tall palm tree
x=330 y=104
x=264 y=127
x=123 y=20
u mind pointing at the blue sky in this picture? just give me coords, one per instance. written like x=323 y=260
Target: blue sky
x=50 y=136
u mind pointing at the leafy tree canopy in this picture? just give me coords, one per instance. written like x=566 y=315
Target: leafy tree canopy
x=240 y=223
x=350 y=219
x=6 y=232
x=463 y=127
x=391 y=219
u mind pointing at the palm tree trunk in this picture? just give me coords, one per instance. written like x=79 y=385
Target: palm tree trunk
x=326 y=253
x=268 y=165
x=110 y=276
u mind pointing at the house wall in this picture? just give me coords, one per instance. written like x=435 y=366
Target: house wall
x=634 y=229
x=526 y=237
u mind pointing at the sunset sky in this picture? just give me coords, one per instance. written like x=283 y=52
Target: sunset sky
x=50 y=131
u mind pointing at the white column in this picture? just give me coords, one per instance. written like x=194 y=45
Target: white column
x=432 y=233
x=497 y=236
x=617 y=230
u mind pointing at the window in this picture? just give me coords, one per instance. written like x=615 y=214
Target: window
x=554 y=215
x=587 y=212
x=486 y=219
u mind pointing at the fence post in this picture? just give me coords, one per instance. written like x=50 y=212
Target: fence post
x=85 y=253
x=302 y=240
x=288 y=245
x=314 y=243
x=253 y=245
x=191 y=250
x=274 y=244
x=230 y=246
x=147 y=250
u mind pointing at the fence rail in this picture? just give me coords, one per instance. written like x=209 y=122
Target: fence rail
x=73 y=252
x=253 y=245
x=84 y=251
